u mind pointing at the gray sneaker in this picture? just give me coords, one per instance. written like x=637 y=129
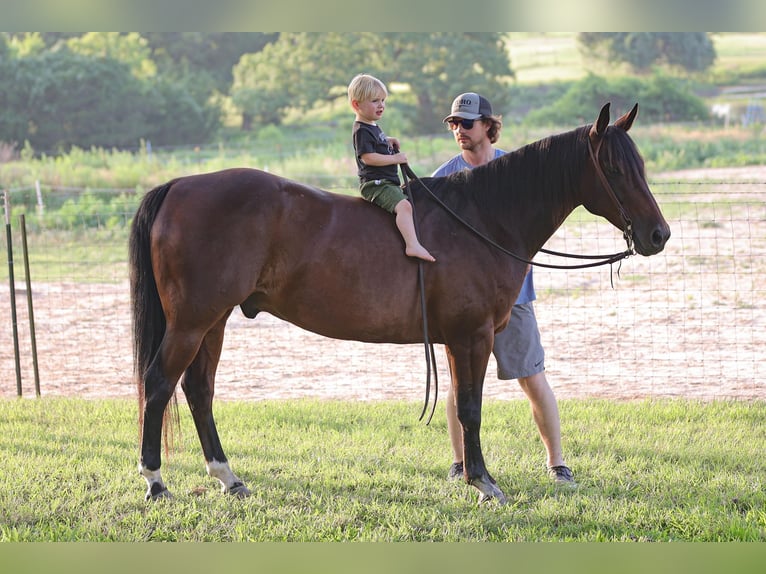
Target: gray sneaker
x=562 y=474
x=455 y=471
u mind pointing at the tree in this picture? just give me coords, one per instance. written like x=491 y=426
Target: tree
x=59 y=99
x=439 y=66
x=301 y=70
x=690 y=51
x=297 y=71
x=209 y=57
x=130 y=49
x=661 y=99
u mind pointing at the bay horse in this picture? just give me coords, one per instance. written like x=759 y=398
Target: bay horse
x=205 y=244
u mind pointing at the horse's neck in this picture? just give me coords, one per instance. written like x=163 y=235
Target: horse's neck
x=539 y=191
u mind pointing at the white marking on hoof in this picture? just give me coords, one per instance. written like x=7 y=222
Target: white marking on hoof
x=230 y=482
x=157 y=489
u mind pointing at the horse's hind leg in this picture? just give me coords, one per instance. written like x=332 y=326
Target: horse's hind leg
x=174 y=355
x=199 y=386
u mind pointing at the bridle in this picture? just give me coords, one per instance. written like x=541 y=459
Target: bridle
x=598 y=260
x=628 y=231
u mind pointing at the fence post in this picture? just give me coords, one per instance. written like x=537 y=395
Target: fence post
x=30 y=309
x=40 y=204
x=11 y=281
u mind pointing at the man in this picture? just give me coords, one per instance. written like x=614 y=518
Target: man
x=517 y=349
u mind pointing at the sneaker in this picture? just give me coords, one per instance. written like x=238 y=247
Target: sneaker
x=561 y=474
x=455 y=471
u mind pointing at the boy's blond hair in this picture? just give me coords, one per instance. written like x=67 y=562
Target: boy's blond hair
x=365 y=88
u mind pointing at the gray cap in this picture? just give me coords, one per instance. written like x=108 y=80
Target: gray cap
x=470 y=106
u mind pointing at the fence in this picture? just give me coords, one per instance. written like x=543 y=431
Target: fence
x=688 y=322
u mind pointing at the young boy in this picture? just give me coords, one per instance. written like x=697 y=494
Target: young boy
x=376 y=161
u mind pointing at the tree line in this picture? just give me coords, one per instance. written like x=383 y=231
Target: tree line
x=59 y=90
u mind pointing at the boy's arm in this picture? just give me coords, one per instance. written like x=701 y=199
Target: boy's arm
x=379 y=159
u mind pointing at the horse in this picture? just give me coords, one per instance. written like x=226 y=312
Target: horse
x=204 y=244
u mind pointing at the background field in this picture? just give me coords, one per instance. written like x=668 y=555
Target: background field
x=684 y=323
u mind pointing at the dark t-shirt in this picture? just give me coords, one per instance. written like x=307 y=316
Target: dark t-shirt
x=370 y=138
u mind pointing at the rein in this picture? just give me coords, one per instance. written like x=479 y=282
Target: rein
x=601 y=259
x=428 y=345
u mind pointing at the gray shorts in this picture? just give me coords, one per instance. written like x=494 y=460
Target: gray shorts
x=382 y=193
x=518 y=350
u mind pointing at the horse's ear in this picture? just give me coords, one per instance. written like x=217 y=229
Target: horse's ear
x=626 y=121
x=602 y=122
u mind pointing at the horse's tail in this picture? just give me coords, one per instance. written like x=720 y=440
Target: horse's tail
x=147 y=313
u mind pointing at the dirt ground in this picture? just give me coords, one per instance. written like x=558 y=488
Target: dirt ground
x=686 y=323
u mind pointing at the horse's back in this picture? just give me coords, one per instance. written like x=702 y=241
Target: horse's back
x=315 y=258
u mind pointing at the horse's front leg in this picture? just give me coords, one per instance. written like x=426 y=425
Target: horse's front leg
x=468 y=365
x=199 y=387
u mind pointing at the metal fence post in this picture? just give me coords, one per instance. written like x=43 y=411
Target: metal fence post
x=11 y=281
x=33 y=338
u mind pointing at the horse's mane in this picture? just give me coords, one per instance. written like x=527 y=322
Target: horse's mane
x=533 y=173
x=537 y=173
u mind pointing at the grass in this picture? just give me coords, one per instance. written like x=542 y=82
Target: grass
x=347 y=471
x=542 y=57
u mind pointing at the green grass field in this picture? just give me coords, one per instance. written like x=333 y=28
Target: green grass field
x=346 y=471
x=542 y=57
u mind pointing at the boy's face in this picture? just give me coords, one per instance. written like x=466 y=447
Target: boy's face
x=370 y=111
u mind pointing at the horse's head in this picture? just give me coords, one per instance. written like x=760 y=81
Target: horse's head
x=621 y=193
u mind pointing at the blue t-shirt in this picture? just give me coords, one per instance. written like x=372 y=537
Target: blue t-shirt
x=457 y=163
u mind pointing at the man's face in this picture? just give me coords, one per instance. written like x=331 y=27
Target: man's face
x=468 y=133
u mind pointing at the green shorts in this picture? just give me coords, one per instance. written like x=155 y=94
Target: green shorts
x=383 y=193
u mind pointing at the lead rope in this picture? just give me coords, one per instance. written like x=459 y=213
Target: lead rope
x=428 y=345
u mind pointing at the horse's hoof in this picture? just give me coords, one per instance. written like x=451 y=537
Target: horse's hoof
x=488 y=490
x=163 y=494
x=239 y=490
x=498 y=496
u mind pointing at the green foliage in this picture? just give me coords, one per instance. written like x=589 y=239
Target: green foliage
x=320 y=471
x=131 y=49
x=89 y=210
x=301 y=70
x=660 y=98
x=690 y=51
x=207 y=57
x=440 y=65
x=59 y=99
x=688 y=148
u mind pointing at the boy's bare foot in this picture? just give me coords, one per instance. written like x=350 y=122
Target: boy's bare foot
x=420 y=252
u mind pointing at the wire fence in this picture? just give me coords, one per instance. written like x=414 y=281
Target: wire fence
x=689 y=322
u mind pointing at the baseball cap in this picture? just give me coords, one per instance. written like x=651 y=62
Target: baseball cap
x=470 y=106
